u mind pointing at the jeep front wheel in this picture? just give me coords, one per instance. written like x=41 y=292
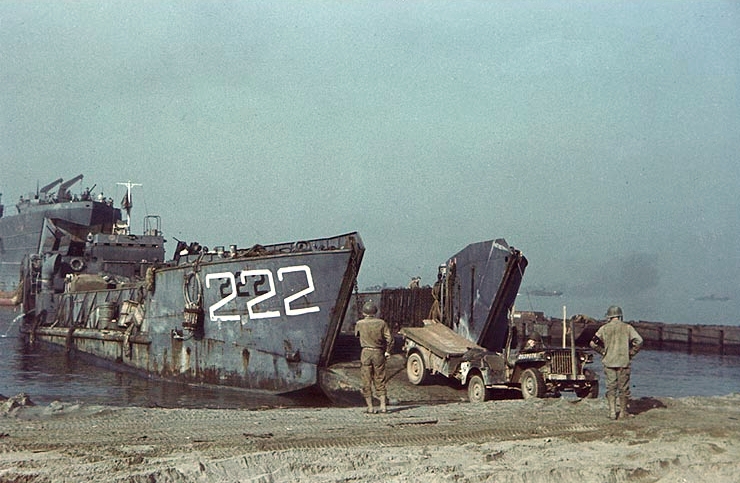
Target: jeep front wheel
x=592 y=391
x=532 y=384
x=415 y=369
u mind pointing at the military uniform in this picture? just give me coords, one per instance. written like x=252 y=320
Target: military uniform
x=376 y=341
x=617 y=342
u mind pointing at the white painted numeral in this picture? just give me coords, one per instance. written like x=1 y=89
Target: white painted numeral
x=309 y=279
x=271 y=293
x=225 y=300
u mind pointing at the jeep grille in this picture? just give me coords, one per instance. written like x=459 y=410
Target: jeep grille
x=561 y=362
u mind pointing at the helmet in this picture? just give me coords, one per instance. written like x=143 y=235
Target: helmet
x=534 y=341
x=614 y=311
x=369 y=308
x=535 y=336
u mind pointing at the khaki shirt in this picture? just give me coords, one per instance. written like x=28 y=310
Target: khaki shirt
x=374 y=334
x=619 y=339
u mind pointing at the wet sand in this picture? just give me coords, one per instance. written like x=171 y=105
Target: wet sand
x=667 y=440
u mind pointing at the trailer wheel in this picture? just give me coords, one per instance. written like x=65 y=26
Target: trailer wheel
x=532 y=383
x=415 y=369
x=476 y=390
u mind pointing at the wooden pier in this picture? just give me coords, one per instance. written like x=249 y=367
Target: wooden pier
x=716 y=339
x=709 y=339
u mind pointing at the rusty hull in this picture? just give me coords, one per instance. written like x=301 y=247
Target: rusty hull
x=258 y=322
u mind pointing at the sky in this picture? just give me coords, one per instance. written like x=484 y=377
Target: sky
x=599 y=138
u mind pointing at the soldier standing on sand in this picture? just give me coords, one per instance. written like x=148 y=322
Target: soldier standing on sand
x=376 y=341
x=617 y=342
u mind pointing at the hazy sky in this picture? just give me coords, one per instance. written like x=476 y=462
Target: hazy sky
x=600 y=138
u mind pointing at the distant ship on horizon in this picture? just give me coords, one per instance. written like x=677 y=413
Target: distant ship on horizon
x=544 y=293
x=712 y=298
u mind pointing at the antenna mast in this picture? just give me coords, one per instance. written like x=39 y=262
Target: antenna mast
x=126 y=203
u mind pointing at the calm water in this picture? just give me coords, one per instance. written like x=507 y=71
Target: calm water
x=47 y=374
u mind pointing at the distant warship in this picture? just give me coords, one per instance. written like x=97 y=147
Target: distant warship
x=544 y=293
x=40 y=214
x=712 y=298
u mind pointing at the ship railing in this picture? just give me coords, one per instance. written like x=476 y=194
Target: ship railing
x=341 y=242
x=195 y=252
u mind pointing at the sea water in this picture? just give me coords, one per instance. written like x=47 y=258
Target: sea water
x=47 y=373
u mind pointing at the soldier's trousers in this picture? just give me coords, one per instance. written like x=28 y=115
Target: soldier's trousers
x=373 y=372
x=617 y=381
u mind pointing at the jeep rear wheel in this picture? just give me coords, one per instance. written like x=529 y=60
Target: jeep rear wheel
x=415 y=369
x=532 y=384
x=476 y=389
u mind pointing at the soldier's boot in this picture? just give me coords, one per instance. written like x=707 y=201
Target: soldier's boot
x=624 y=407
x=370 y=409
x=383 y=408
x=612 y=406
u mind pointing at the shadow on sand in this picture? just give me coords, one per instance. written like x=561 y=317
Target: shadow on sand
x=644 y=404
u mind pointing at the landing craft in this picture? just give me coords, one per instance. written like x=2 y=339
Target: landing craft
x=264 y=317
x=496 y=354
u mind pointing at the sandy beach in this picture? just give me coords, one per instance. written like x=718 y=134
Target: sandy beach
x=667 y=440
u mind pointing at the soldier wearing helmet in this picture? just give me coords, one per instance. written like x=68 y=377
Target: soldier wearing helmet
x=617 y=342
x=376 y=341
x=533 y=343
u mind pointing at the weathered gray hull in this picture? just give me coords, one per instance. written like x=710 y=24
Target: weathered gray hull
x=263 y=321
